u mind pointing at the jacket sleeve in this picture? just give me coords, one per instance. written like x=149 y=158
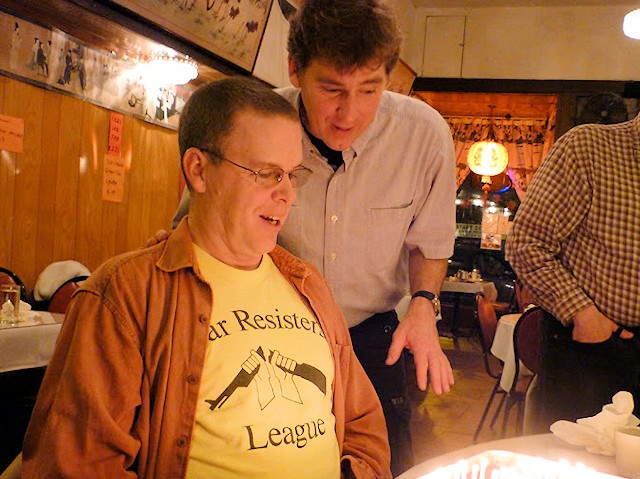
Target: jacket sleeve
x=82 y=423
x=366 y=444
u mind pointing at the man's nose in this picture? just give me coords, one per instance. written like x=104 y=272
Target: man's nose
x=348 y=105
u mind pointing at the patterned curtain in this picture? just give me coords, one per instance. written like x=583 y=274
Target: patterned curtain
x=527 y=141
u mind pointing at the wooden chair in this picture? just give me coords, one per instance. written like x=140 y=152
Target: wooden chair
x=9 y=277
x=62 y=296
x=527 y=336
x=488 y=323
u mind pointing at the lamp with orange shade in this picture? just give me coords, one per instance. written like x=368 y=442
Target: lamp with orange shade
x=487 y=158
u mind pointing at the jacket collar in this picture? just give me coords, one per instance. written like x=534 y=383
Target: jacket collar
x=178 y=253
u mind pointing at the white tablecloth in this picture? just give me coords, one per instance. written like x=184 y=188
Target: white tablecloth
x=502 y=348
x=546 y=446
x=29 y=344
x=486 y=287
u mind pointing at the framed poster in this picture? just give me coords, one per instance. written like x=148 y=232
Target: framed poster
x=401 y=78
x=230 y=29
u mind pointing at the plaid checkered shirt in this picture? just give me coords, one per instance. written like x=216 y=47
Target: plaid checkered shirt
x=575 y=240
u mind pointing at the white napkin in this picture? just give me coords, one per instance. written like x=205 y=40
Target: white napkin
x=597 y=433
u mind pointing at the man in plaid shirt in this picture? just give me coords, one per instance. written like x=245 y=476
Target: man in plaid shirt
x=575 y=244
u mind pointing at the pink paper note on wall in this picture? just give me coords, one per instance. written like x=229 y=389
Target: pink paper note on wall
x=113 y=178
x=11 y=133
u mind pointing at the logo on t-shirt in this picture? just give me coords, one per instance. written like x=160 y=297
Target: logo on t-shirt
x=272 y=375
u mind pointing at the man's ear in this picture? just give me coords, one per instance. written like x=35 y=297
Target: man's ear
x=193 y=164
x=294 y=76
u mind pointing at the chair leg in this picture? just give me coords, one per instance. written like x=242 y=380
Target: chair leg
x=486 y=410
x=505 y=419
x=503 y=399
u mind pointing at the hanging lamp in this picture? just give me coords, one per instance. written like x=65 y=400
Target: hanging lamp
x=631 y=24
x=488 y=158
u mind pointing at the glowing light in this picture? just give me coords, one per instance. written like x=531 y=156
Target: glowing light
x=487 y=158
x=164 y=69
x=631 y=24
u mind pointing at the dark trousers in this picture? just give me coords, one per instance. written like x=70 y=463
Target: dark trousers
x=371 y=340
x=577 y=379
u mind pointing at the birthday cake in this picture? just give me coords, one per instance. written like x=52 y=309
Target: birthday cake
x=509 y=465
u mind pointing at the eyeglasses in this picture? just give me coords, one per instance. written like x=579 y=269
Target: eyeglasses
x=270 y=176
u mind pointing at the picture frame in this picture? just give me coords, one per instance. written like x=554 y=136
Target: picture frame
x=401 y=78
x=230 y=29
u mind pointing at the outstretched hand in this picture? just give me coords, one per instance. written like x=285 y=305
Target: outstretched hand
x=417 y=331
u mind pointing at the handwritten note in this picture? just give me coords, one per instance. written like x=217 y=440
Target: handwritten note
x=11 y=133
x=115 y=134
x=113 y=178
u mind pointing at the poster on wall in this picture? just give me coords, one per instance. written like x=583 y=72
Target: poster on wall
x=491 y=237
x=53 y=59
x=231 y=29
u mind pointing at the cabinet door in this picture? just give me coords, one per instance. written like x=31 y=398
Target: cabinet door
x=443 y=46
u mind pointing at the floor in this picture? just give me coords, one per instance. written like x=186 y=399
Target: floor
x=440 y=424
x=444 y=423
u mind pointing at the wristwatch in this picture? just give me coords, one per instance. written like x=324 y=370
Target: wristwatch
x=431 y=297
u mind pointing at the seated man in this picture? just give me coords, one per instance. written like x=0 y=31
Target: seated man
x=214 y=353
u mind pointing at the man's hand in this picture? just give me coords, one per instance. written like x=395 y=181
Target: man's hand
x=417 y=331
x=160 y=235
x=591 y=326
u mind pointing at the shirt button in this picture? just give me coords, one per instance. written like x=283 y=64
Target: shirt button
x=181 y=442
x=333 y=256
x=202 y=319
x=334 y=218
x=191 y=379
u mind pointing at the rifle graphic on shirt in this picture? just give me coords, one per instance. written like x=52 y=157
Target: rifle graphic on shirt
x=244 y=378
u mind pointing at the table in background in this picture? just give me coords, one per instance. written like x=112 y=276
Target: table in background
x=546 y=446
x=457 y=290
x=30 y=344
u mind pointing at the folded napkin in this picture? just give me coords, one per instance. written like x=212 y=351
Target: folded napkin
x=25 y=311
x=597 y=433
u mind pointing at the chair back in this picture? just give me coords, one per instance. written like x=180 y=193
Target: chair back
x=488 y=322
x=62 y=296
x=9 y=277
x=527 y=337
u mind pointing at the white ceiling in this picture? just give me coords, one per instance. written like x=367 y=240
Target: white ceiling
x=519 y=3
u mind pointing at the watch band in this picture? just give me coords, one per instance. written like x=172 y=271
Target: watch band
x=431 y=297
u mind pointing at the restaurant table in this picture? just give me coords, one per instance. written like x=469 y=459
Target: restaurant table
x=29 y=344
x=457 y=290
x=546 y=446
x=487 y=288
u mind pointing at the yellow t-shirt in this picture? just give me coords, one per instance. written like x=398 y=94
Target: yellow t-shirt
x=265 y=401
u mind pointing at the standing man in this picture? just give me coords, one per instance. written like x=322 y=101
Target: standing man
x=377 y=216
x=215 y=353
x=575 y=244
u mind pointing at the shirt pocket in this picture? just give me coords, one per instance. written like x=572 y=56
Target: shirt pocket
x=386 y=231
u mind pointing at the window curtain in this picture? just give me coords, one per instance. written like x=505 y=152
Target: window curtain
x=527 y=141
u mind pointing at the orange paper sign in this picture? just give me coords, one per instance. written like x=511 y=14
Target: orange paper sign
x=11 y=133
x=115 y=134
x=113 y=178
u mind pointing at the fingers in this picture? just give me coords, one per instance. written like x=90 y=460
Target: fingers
x=395 y=350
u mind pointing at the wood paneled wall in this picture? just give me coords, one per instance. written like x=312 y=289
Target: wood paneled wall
x=51 y=206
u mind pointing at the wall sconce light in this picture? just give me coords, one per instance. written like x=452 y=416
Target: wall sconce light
x=164 y=69
x=488 y=158
x=631 y=24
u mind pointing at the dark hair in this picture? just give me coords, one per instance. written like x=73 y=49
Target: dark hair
x=347 y=33
x=209 y=114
